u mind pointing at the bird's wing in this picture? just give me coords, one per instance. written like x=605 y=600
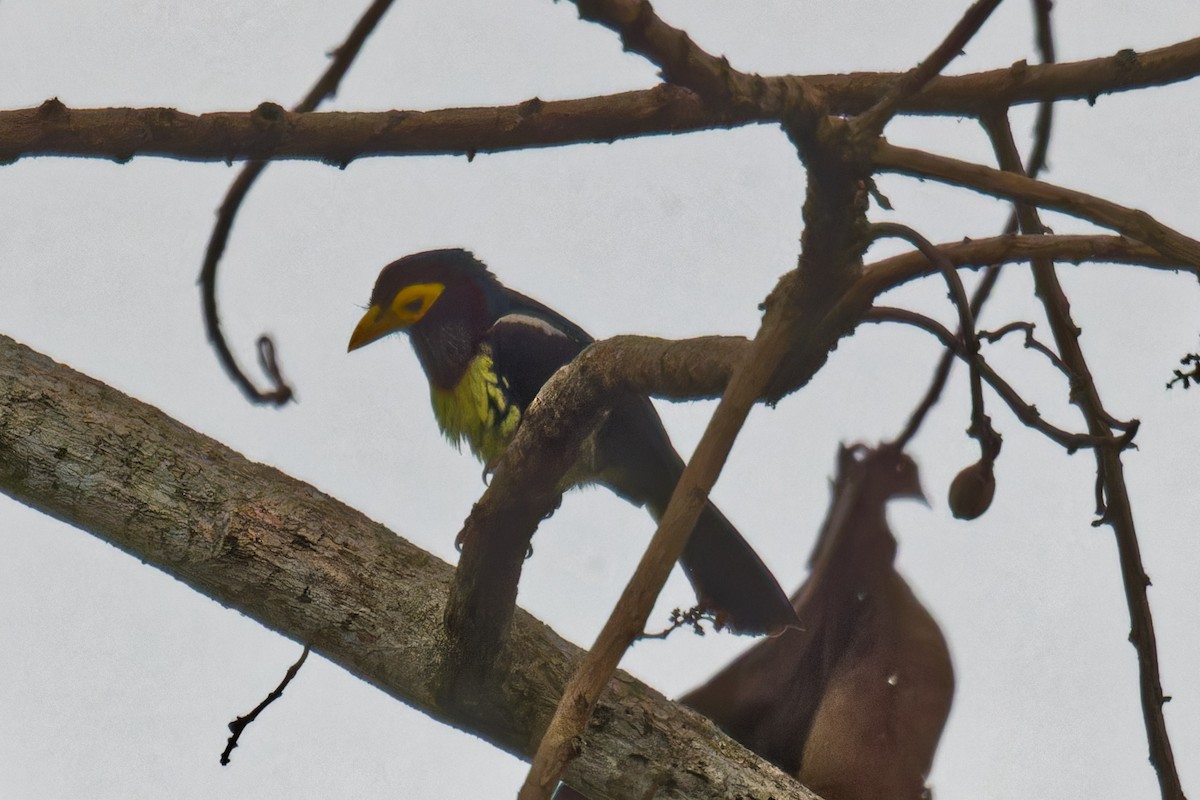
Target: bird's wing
x=529 y=344
x=631 y=454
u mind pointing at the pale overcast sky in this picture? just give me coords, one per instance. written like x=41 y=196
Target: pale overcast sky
x=117 y=681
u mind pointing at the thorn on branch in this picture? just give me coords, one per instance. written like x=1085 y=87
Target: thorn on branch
x=879 y=197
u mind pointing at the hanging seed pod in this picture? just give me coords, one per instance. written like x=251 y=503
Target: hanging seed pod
x=972 y=489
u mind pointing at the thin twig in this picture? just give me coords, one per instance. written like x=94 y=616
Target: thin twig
x=1189 y=377
x=681 y=60
x=1031 y=342
x=326 y=86
x=941 y=372
x=1026 y=412
x=871 y=122
x=1044 y=36
x=241 y=723
x=981 y=425
x=1112 y=493
x=1043 y=125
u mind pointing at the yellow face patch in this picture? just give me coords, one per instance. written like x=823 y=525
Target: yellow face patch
x=409 y=305
x=413 y=302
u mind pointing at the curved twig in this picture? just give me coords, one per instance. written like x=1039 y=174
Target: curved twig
x=1027 y=413
x=326 y=86
x=1037 y=160
x=981 y=426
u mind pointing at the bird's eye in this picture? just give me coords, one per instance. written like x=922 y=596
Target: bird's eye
x=414 y=305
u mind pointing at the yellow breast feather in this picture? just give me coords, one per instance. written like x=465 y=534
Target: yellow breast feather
x=477 y=410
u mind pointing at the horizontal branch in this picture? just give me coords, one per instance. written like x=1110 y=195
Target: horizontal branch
x=317 y=571
x=338 y=137
x=1129 y=221
x=889 y=273
x=270 y=132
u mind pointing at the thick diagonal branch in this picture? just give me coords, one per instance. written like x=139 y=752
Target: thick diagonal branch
x=303 y=564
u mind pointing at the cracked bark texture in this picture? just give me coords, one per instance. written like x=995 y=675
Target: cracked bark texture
x=303 y=564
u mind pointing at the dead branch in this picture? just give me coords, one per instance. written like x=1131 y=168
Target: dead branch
x=326 y=86
x=1026 y=412
x=1113 y=503
x=271 y=132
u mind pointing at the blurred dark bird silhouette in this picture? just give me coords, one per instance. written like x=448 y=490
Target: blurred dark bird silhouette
x=854 y=702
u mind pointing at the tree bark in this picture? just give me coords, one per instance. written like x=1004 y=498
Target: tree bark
x=313 y=569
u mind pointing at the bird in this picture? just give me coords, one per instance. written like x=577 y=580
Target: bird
x=487 y=350
x=854 y=704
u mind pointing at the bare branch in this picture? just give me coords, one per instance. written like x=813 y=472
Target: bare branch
x=1131 y=222
x=751 y=379
x=889 y=273
x=1043 y=25
x=1113 y=501
x=326 y=86
x=1026 y=412
x=681 y=61
x=270 y=132
x=1031 y=342
x=241 y=723
x=871 y=122
x=941 y=373
x=981 y=426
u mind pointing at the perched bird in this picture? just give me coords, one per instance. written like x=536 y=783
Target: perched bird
x=487 y=350
x=854 y=703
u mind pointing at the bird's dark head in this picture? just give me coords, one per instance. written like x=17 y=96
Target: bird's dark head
x=427 y=291
x=885 y=471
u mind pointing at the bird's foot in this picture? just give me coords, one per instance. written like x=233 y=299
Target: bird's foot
x=693 y=617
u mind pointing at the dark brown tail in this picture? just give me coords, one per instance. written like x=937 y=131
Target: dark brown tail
x=728 y=576
x=730 y=579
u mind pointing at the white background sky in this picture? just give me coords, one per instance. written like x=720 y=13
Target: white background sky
x=117 y=682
